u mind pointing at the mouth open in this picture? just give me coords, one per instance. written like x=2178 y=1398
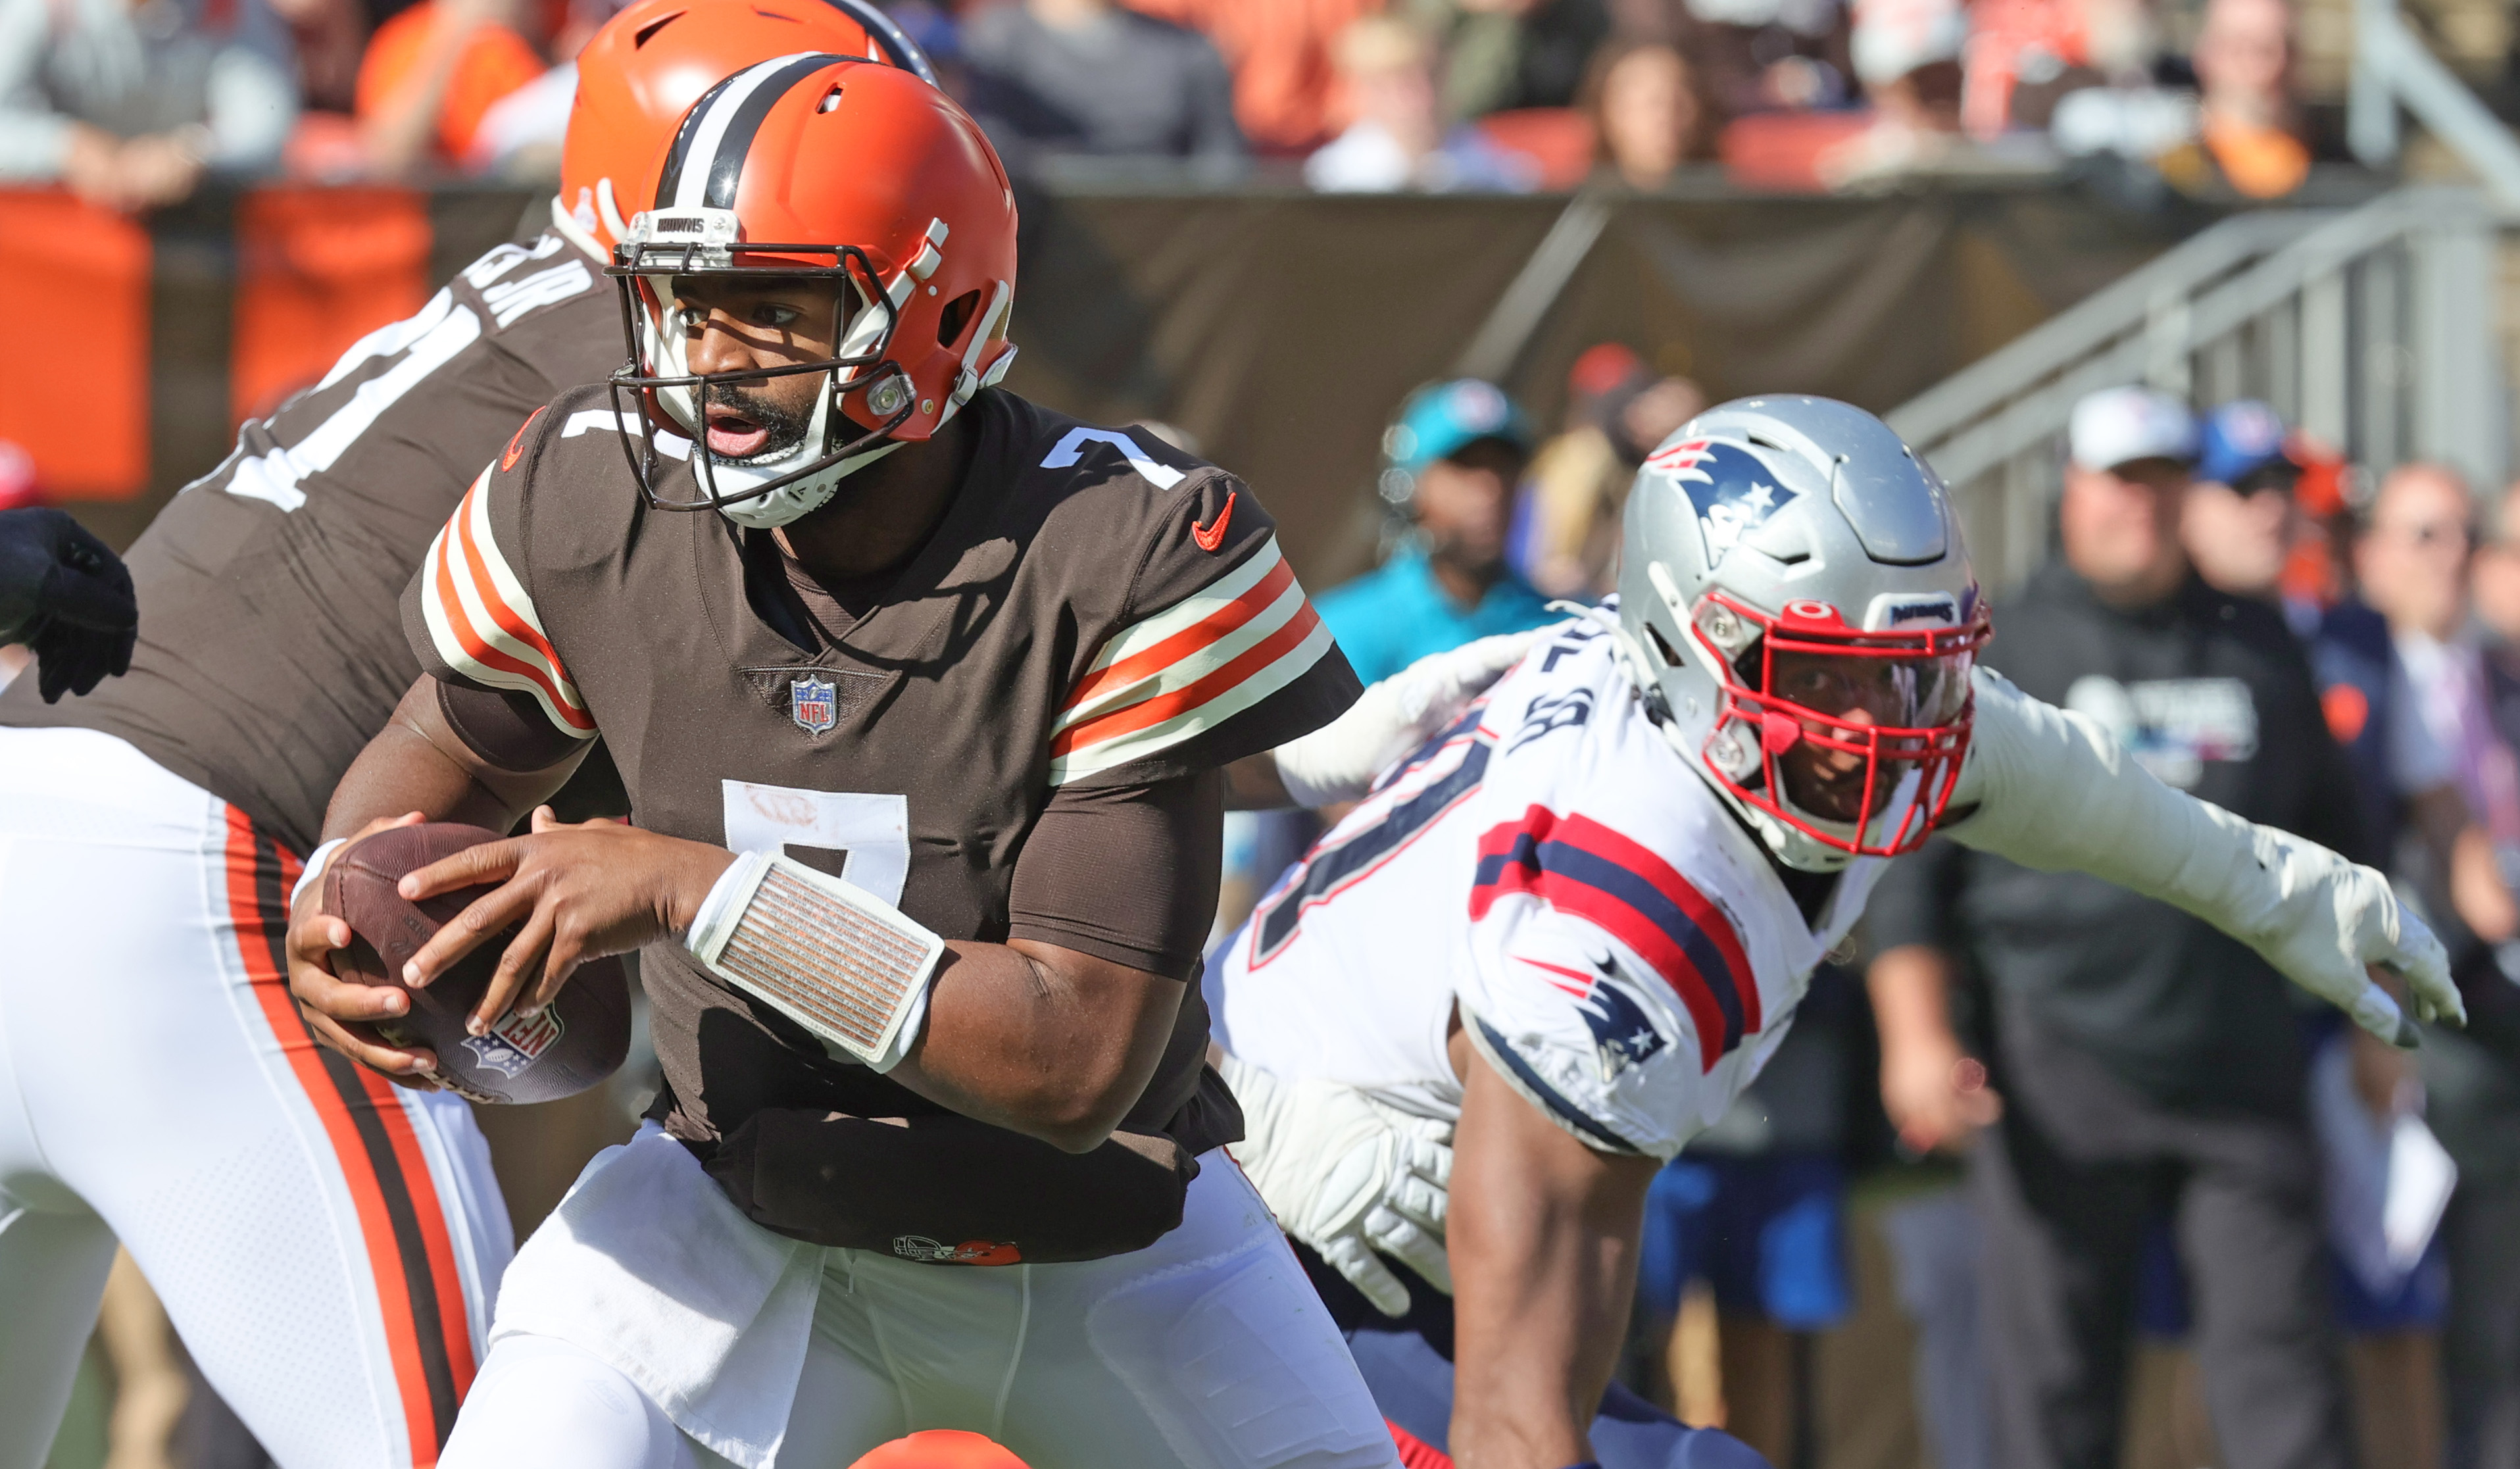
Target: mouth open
x=733 y=434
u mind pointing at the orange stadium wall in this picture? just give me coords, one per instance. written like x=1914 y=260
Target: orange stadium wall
x=1277 y=328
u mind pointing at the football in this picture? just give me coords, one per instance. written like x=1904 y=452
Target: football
x=577 y=1043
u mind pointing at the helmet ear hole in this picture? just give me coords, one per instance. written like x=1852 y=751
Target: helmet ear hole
x=1662 y=649
x=956 y=316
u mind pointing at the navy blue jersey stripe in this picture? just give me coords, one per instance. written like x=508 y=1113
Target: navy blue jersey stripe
x=1328 y=870
x=1636 y=891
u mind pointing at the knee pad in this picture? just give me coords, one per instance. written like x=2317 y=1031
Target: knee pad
x=543 y=1402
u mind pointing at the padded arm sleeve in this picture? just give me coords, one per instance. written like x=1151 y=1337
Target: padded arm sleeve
x=2053 y=790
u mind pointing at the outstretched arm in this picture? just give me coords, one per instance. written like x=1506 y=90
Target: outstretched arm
x=2053 y=790
x=1544 y=1237
x=1339 y=760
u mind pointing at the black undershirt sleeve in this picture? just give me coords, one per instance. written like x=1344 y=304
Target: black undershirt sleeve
x=506 y=728
x=1126 y=873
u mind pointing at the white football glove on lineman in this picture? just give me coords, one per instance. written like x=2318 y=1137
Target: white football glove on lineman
x=2054 y=790
x=1339 y=760
x=1349 y=1177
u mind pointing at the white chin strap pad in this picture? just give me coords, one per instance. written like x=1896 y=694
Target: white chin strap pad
x=2054 y=790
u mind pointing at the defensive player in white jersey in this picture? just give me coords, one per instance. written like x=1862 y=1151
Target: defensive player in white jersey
x=1567 y=932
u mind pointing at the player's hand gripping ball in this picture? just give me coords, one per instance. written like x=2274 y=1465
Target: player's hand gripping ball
x=570 y=1046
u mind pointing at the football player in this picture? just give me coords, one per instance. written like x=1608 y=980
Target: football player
x=1565 y=934
x=68 y=598
x=325 y=1244
x=922 y=695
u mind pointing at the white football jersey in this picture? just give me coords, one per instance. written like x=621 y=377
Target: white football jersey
x=1617 y=945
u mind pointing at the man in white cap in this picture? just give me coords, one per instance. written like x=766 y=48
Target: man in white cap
x=2125 y=1101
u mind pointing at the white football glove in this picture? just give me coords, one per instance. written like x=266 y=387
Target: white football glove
x=2054 y=790
x=1349 y=1177
x=1339 y=760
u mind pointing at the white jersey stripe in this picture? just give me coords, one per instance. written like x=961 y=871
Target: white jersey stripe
x=1194 y=665
x=469 y=621
x=1137 y=743
x=1191 y=610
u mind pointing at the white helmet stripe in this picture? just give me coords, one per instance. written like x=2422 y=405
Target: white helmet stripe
x=709 y=152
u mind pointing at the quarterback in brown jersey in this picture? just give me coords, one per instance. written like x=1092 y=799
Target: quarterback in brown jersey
x=326 y=1244
x=924 y=696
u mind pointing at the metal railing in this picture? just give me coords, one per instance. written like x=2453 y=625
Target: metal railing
x=2392 y=70
x=2378 y=329
x=2375 y=328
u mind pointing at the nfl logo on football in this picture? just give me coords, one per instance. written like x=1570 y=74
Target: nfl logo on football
x=815 y=703
x=514 y=1042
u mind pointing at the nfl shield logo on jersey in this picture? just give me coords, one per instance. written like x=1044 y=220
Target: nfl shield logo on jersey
x=815 y=703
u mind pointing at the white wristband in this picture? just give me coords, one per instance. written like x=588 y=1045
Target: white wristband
x=315 y=861
x=828 y=954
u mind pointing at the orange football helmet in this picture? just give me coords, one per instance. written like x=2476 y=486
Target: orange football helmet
x=642 y=71
x=843 y=168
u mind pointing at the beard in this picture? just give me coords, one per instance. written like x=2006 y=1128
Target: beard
x=786 y=427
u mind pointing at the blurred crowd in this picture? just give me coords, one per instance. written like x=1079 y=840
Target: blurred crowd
x=132 y=103
x=2085 y=1122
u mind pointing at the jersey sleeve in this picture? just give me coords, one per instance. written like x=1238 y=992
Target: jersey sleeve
x=1124 y=873
x=1218 y=654
x=1604 y=985
x=469 y=611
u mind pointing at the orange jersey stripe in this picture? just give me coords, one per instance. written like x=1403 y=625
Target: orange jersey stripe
x=477 y=648
x=1180 y=701
x=1200 y=634
x=477 y=568
x=420 y=1293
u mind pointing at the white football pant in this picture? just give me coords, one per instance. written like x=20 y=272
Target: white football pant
x=326 y=1243
x=1207 y=1349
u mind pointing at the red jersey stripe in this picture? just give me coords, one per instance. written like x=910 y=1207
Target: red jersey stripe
x=1200 y=634
x=1189 y=696
x=514 y=623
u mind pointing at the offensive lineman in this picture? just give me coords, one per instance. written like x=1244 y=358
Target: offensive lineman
x=1628 y=859
x=325 y=1244
x=956 y=677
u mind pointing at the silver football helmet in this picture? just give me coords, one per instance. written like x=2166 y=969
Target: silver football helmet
x=1799 y=610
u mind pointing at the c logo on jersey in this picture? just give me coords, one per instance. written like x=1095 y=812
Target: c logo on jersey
x=1732 y=492
x=1623 y=1034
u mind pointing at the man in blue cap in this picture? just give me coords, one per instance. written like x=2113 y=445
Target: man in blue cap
x=1452 y=460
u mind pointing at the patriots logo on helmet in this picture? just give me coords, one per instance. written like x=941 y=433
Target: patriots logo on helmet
x=1732 y=492
x=1624 y=1036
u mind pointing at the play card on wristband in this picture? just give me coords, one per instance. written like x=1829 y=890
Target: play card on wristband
x=830 y=956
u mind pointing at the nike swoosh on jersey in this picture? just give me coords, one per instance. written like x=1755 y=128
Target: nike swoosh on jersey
x=1212 y=536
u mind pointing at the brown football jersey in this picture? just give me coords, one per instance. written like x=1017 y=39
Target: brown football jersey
x=1094 y=609
x=270 y=645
